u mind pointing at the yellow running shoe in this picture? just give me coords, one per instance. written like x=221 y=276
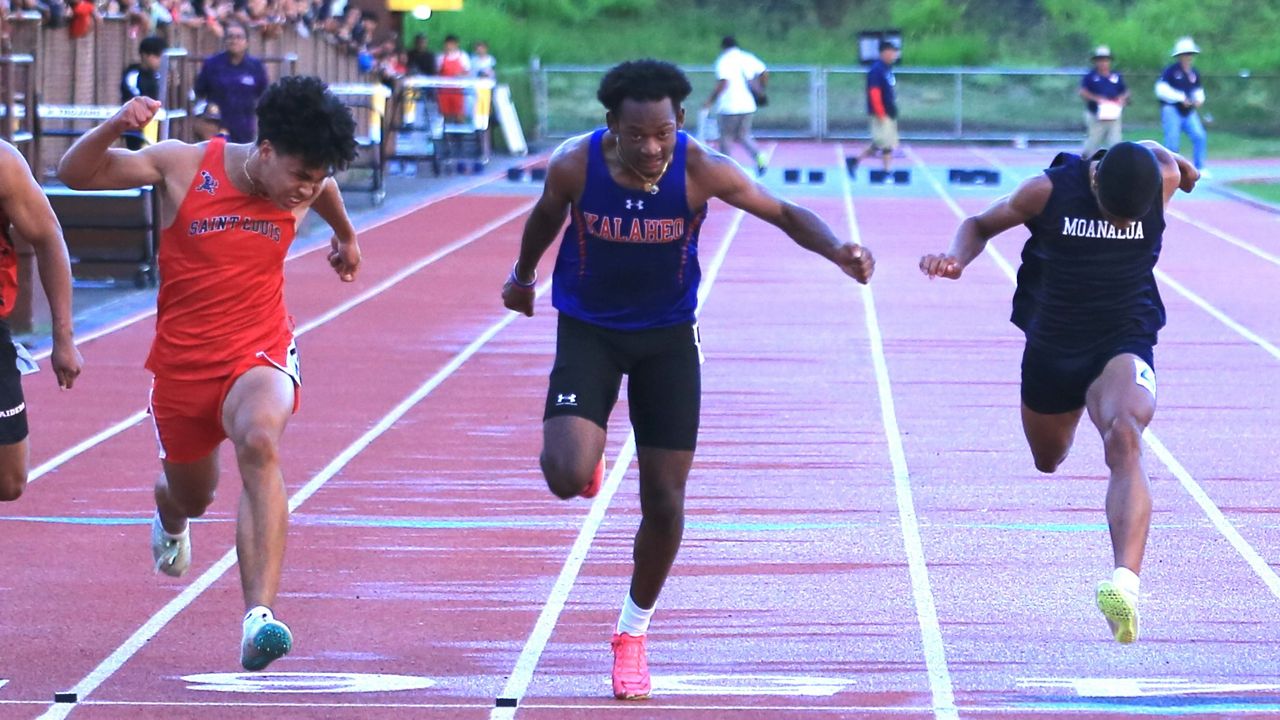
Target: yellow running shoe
x=1121 y=611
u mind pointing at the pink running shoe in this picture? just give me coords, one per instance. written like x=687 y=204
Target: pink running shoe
x=630 y=667
x=597 y=479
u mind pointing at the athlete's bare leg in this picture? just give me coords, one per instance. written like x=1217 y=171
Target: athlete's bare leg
x=1050 y=436
x=13 y=469
x=571 y=450
x=254 y=416
x=185 y=490
x=1121 y=409
x=663 y=475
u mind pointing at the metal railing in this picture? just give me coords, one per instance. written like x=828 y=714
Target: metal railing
x=970 y=104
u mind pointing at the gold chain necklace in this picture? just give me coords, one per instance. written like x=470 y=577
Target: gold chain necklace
x=650 y=186
x=253 y=184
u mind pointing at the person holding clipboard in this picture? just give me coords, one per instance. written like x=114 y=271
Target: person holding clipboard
x=1105 y=96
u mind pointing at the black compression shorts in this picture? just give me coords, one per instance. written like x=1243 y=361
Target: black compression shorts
x=664 y=390
x=1055 y=382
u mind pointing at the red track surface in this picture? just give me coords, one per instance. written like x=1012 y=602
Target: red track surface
x=427 y=546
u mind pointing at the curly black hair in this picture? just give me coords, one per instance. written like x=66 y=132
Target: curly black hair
x=300 y=117
x=643 y=81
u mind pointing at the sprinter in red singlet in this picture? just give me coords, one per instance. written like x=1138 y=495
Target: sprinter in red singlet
x=24 y=206
x=223 y=357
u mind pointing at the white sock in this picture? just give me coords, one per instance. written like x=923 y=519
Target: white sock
x=634 y=619
x=1126 y=580
x=260 y=611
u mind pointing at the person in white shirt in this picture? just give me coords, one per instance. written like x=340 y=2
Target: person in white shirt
x=734 y=100
x=482 y=63
x=1181 y=94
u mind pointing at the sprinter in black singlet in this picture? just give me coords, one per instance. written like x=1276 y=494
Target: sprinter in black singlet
x=1088 y=303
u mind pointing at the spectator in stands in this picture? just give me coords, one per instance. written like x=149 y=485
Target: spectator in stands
x=483 y=66
x=363 y=32
x=84 y=16
x=391 y=67
x=262 y=16
x=482 y=63
x=53 y=13
x=143 y=79
x=453 y=62
x=1181 y=95
x=234 y=80
x=421 y=60
x=1104 y=93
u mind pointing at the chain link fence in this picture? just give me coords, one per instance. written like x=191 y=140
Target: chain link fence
x=962 y=104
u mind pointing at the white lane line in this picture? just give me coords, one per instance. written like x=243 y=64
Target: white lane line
x=1216 y=516
x=102 y=436
x=81 y=341
x=1226 y=237
x=1218 y=315
x=1188 y=482
x=935 y=654
x=766 y=712
x=153 y=626
x=527 y=663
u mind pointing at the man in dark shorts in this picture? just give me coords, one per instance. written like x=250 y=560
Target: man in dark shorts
x=24 y=207
x=1088 y=303
x=626 y=282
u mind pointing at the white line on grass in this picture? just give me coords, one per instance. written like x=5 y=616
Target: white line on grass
x=102 y=436
x=153 y=626
x=935 y=654
x=1189 y=483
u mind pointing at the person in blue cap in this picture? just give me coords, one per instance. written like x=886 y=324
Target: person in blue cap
x=1181 y=95
x=1088 y=303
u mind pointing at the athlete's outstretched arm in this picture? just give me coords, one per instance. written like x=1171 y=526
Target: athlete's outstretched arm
x=565 y=176
x=92 y=164
x=28 y=209
x=719 y=176
x=344 y=251
x=1179 y=172
x=1024 y=203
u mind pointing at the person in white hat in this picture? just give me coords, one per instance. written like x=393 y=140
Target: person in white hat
x=1104 y=93
x=1181 y=95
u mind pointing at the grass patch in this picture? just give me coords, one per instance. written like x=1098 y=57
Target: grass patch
x=1222 y=145
x=1267 y=192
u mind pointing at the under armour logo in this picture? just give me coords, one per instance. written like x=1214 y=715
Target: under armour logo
x=638 y=204
x=570 y=399
x=207 y=183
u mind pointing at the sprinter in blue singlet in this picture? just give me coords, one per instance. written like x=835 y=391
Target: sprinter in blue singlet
x=1088 y=304
x=626 y=282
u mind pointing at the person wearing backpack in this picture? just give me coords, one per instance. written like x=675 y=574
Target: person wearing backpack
x=741 y=79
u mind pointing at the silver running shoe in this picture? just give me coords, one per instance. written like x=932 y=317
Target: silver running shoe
x=172 y=555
